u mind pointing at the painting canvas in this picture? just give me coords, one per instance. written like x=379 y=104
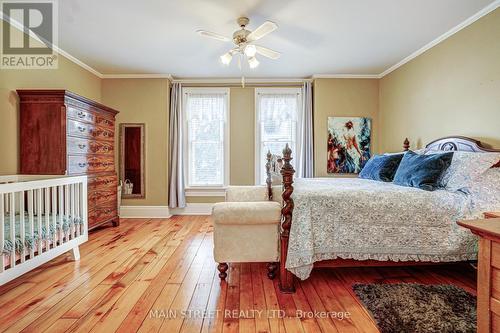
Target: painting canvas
x=348 y=144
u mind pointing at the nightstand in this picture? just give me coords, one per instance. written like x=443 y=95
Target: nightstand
x=488 y=272
x=492 y=215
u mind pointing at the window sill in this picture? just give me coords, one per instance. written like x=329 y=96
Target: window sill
x=205 y=192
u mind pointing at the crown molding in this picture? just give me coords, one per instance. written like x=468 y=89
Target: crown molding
x=238 y=80
x=486 y=10
x=137 y=76
x=16 y=24
x=346 y=76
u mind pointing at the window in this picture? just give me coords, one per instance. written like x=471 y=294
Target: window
x=206 y=137
x=277 y=123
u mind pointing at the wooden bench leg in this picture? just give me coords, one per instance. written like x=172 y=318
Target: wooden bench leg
x=271 y=270
x=222 y=267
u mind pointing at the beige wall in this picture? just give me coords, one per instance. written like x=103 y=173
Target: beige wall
x=144 y=101
x=242 y=136
x=452 y=89
x=342 y=98
x=68 y=76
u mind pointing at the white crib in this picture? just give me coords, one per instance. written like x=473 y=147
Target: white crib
x=41 y=217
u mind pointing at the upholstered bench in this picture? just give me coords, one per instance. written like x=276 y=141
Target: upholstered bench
x=246 y=228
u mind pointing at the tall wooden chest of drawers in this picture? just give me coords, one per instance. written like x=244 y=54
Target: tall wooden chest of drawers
x=62 y=133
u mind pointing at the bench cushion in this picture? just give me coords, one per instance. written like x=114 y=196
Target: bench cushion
x=264 y=212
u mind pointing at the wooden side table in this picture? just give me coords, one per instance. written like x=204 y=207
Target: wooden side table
x=488 y=273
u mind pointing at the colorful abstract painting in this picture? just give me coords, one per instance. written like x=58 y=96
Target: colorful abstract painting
x=348 y=144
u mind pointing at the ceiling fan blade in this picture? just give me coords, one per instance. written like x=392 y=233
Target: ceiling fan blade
x=213 y=35
x=266 y=28
x=267 y=52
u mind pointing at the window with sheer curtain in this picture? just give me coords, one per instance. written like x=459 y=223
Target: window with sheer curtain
x=277 y=123
x=206 y=138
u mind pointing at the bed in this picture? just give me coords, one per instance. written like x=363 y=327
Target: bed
x=341 y=222
x=40 y=219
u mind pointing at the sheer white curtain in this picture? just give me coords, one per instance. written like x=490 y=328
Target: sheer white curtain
x=206 y=117
x=277 y=121
x=177 y=197
x=305 y=158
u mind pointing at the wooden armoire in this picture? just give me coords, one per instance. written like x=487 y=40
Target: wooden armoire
x=62 y=133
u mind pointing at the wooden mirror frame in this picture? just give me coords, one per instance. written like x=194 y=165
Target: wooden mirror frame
x=142 y=126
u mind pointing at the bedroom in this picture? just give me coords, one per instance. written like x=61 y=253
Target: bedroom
x=184 y=122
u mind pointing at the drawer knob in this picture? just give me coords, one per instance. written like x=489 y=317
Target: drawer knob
x=81 y=146
x=81 y=129
x=82 y=165
x=81 y=114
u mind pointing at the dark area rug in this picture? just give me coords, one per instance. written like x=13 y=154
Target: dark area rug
x=418 y=308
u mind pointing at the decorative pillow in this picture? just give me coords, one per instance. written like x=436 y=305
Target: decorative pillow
x=485 y=191
x=422 y=171
x=381 y=167
x=466 y=167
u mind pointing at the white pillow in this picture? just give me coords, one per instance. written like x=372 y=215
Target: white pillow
x=466 y=167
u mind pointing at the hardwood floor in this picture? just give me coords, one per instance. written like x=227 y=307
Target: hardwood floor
x=147 y=275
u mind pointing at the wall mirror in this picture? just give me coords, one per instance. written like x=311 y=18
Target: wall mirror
x=132 y=160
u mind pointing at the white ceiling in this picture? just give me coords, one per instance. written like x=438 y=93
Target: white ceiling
x=314 y=36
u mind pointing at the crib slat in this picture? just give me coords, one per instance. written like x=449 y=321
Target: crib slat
x=66 y=209
x=54 y=216
x=22 y=232
x=47 y=218
x=77 y=209
x=12 y=210
x=61 y=214
x=31 y=222
x=72 y=210
x=2 y=231
x=39 y=219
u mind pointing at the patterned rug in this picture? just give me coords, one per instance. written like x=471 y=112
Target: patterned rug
x=417 y=308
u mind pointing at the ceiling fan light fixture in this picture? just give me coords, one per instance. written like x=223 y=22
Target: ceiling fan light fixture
x=253 y=62
x=250 y=50
x=226 y=58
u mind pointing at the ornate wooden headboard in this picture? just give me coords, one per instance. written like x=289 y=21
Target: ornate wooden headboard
x=461 y=143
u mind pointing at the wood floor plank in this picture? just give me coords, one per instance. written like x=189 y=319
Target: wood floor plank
x=49 y=297
x=159 y=275
x=259 y=299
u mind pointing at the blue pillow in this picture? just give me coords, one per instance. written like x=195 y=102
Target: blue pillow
x=381 y=167
x=422 y=171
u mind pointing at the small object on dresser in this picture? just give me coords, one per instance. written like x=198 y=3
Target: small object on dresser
x=488 y=302
x=128 y=187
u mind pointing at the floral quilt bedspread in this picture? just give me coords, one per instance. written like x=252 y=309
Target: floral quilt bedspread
x=362 y=219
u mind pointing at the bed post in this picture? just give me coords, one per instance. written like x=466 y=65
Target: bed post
x=286 y=278
x=269 y=180
x=406 y=145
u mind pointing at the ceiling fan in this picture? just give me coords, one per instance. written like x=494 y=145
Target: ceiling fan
x=244 y=40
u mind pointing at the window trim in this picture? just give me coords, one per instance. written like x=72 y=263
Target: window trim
x=288 y=90
x=192 y=189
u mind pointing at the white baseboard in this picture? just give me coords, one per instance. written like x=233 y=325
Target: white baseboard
x=164 y=211
x=144 y=212
x=194 y=209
